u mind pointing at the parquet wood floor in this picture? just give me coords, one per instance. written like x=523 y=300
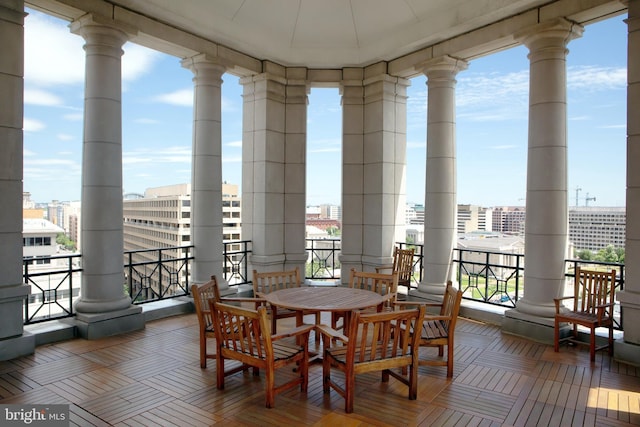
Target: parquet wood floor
x=152 y=378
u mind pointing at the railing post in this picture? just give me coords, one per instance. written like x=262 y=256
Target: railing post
x=159 y=269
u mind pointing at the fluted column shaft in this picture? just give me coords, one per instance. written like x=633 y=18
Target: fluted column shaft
x=546 y=224
x=102 y=225
x=12 y=289
x=440 y=187
x=206 y=169
x=629 y=348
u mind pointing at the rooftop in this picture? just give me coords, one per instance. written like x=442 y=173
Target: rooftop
x=153 y=377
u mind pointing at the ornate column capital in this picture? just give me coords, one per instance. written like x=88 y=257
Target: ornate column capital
x=443 y=67
x=206 y=67
x=550 y=34
x=101 y=31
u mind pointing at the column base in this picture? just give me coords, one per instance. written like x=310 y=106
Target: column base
x=626 y=352
x=23 y=345
x=93 y=326
x=539 y=329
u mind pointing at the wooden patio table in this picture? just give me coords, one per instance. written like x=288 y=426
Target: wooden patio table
x=332 y=299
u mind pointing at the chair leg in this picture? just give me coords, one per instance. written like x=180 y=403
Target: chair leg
x=326 y=373
x=556 y=336
x=303 y=368
x=413 y=381
x=450 y=360
x=592 y=345
x=270 y=392
x=220 y=372
x=349 y=386
x=203 y=351
x=611 y=340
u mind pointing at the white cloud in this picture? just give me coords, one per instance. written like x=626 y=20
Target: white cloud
x=137 y=61
x=503 y=147
x=235 y=144
x=41 y=97
x=27 y=153
x=594 y=78
x=64 y=137
x=183 y=98
x=32 y=125
x=165 y=155
x=53 y=55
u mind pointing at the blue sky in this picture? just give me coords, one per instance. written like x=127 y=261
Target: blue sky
x=492 y=111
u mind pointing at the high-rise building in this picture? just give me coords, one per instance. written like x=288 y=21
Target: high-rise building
x=595 y=228
x=162 y=219
x=508 y=220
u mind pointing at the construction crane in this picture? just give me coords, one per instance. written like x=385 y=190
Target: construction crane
x=588 y=199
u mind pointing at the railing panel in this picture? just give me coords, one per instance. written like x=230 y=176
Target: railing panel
x=490 y=277
x=323 y=258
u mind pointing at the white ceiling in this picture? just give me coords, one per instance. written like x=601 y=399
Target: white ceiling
x=328 y=33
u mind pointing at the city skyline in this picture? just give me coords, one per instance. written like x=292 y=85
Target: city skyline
x=492 y=110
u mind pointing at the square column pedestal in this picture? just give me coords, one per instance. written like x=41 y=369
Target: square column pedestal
x=99 y=325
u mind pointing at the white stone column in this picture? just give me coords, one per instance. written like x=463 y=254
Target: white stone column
x=206 y=170
x=384 y=161
x=440 y=229
x=628 y=349
x=102 y=289
x=374 y=162
x=13 y=342
x=546 y=225
x=263 y=167
x=352 y=91
x=295 y=169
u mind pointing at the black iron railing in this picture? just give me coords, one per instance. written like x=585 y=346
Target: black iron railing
x=490 y=277
x=323 y=258
x=236 y=262
x=149 y=275
x=495 y=278
x=155 y=274
x=55 y=283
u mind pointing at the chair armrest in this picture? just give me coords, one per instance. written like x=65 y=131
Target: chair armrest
x=428 y=317
x=331 y=333
x=297 y=331
x=405 y=304
x=384 y=267
x=556 y=301
x=242 y=299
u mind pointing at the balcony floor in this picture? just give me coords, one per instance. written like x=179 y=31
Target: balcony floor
x=152 y=377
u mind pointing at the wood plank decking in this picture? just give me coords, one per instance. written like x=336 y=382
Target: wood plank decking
x=153 y=378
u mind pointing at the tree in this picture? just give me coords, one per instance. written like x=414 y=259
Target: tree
x=585 y=255
x=63 y=240
x=610 y=254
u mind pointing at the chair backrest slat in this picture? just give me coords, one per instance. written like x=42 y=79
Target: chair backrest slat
x=383 y=335
x=242 y=330
x=270 y=281
x=383 y=284
x=403 y=264
x=593 y=289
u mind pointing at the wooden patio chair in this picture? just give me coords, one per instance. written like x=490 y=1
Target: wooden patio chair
x=402 y=264
x=375 y=342
x=201 y=296
x=438 y=330
x=383 y=284
x=593 y=301
x=243 y=334
x=270 y=281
